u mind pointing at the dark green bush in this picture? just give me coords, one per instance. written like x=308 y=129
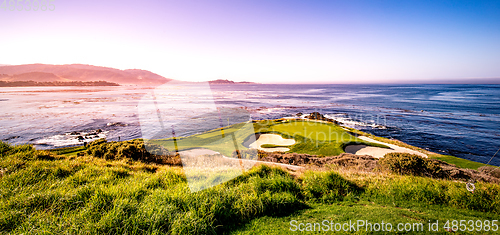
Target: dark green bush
x=131 y=149
x=4 y=148
x=410 y=164
x=23 y=152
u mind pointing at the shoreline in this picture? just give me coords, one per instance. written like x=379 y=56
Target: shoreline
x=394 y=146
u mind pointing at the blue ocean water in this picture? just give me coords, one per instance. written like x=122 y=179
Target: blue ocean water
x=459 y=120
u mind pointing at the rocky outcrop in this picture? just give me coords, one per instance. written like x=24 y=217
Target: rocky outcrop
x=345 y=160
x=319 y=116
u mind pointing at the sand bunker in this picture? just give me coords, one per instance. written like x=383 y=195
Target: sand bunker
x=360 y=149
x=197 y=152
x=272 y=139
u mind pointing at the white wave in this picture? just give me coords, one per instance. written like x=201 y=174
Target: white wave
x=344 y=120
x=314 y=90
x=71 y=139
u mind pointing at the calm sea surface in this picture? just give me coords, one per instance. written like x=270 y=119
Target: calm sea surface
x=459 y=120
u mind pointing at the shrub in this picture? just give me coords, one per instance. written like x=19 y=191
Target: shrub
x=410 y=164
x=4 y=148
x=131 y=149
x=493 y=171
x=23 y=152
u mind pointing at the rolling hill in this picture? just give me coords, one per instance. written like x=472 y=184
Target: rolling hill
x=78 y=72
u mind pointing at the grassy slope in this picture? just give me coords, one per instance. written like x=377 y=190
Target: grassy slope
x=343 y=212
x=41 y=193
x=390 y=198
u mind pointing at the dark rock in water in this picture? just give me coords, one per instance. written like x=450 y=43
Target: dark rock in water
x=98 y=131
x=74 y=133
x=13 y=137
x=80 y=138
x=319 y=116
x=299 y=114
x=315 y=116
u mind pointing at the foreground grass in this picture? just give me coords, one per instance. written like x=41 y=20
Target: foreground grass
x=416 y=218
x=41 y=193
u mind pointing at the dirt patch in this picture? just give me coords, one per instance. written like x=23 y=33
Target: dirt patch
x=347 y=160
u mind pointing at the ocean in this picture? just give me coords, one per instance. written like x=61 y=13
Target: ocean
x=458 y=120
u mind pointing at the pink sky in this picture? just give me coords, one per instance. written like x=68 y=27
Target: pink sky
x=264 y=41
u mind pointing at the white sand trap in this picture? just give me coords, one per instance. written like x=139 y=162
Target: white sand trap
x=272 y=139
x=197 y=152
x=377 y=152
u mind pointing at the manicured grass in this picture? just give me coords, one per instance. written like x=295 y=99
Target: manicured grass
x=312 y=137
x=460 y=162
x=274 y=146
x=224 y=140
x=318 y=131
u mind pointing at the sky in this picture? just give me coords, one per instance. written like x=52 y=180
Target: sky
x=266 y=41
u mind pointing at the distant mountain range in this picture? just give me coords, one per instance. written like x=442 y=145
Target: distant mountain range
x=221 y=81
x=78 y=72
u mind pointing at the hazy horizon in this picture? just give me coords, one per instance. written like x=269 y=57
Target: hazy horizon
x=472 y=81
x=314 y=42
